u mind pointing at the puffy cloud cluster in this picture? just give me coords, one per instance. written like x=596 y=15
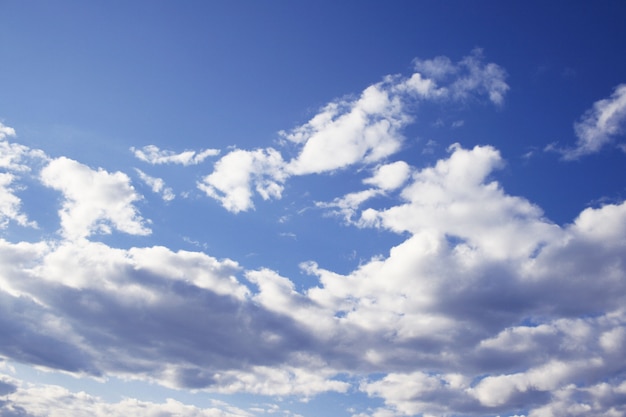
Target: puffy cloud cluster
x=468 y=76
x=95 y=201
x=485 y=308
x=362 y=130
x=235 y=174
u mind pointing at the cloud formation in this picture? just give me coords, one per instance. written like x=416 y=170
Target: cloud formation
x=362 y=130
x=484 y=306
x=95 y=201
x=598 y=126
x=29 y=400
x=157 y=185
x=237 y=172
x=155 y=156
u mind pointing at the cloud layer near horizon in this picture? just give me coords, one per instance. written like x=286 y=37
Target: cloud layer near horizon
x=484 y=306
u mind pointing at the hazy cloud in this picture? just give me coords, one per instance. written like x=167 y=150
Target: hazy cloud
x=598 y=126
x=29 y=400
x=157 y=185
x=155 y=156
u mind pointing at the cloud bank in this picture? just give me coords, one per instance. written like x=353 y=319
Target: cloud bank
x=486 y=307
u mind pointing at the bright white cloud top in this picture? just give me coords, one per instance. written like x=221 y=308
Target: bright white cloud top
x=374 y=260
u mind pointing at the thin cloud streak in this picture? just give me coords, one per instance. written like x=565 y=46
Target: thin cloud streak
x=598 y=126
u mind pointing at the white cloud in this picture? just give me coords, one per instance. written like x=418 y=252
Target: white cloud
x=95 y=201
x=348 y=205
x=237 y=172
x=157 y=185
x=6 y=131
x=469 y=76
x=15 y=159
x=453 y=198
x=390 y=176
x=10 y=204
x=30 y=400
x=386 y=178
x=439 y=317
x=153 y=155
x=485 y=308
x=365 y=130
x=598 y=126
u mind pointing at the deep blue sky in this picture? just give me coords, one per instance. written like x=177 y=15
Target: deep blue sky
x=86 y=87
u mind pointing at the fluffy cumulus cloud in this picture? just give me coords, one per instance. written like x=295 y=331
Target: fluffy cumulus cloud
x=236 y=173
x=485 y=308
x=155 y=156
x=95 y=200
x=598 y=126
x=354 y=130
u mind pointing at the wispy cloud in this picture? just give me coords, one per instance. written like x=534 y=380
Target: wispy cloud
x=157 y=185
x=598 y=126
x=155 y=156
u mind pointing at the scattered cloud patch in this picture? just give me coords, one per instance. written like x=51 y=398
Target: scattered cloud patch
x=598 y=126
x=362 y=130
x=10 y=204
x=95 y=201
x=237 y=172
x=157 y=185
x=30 y=400
x=155 y=156
x=469 y=76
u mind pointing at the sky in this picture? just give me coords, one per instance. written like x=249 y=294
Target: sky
x=312 y=209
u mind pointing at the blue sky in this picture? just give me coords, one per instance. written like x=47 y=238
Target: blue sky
x=244 y=209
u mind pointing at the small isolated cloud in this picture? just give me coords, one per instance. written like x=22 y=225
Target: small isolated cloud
x=598 y=126
x=155 y=156
x=157 y=185
x=95 y=201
